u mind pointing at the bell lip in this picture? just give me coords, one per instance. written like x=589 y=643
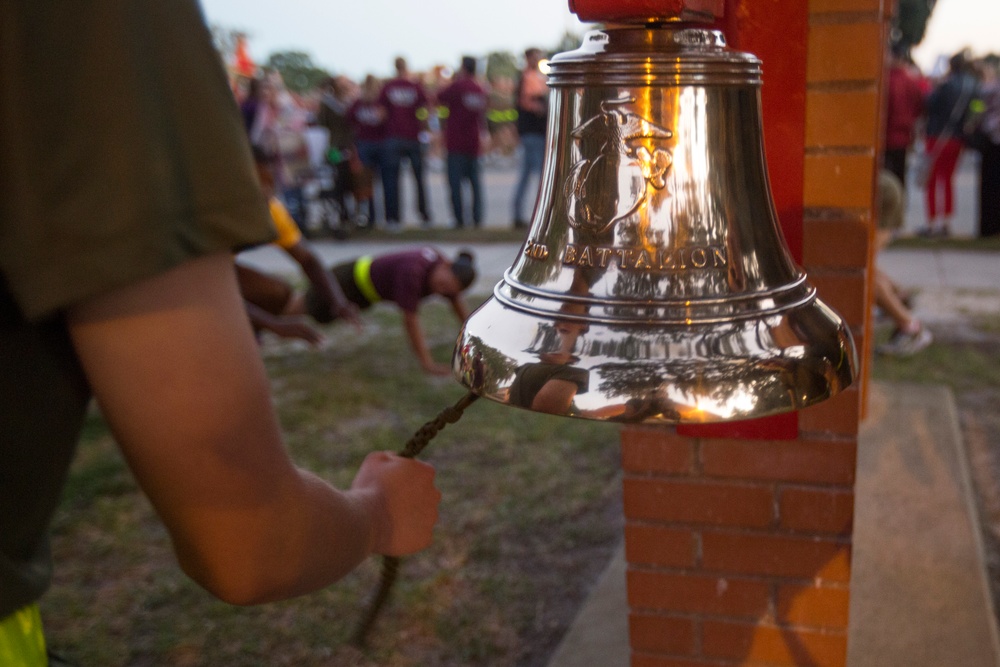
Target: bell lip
x=836 y=350
x=663 y=421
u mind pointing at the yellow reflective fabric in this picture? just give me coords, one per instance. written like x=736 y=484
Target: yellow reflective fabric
x=289 y=234
x=363 y=279
x=22 y=643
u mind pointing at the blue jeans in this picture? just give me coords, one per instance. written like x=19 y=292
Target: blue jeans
x=294 y=201
x=465 y=168
x=533 y=149
x=395 y=151
x=370 y=154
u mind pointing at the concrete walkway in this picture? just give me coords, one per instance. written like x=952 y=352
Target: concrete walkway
x=919 y=591
x=919 y=595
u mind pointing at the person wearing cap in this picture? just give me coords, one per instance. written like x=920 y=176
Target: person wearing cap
x=404 y=278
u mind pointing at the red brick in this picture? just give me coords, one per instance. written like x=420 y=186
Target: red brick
x=816 y=510
x=773 y=645
x=839 y=415
x=661 y=634
x=844 y=291
x=698 y=502
x=837 y=180
x=656 y=450
x=817 y=461
x=844 y=52
x=656 y=545
x=838 y=244
x=697 y=594
x=778 y=555
x=842 y=118
x=816 y=606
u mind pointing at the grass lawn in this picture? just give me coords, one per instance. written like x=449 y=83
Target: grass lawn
x=530 y=514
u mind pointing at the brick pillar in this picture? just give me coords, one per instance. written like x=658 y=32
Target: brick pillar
x=739 y=548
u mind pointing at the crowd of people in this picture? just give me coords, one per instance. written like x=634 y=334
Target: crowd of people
x=944 y=117
x=368 y=132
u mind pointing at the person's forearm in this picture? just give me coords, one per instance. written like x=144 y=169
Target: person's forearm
x=259 y=318
x=460 y=309
x=289 y=326
x=415 y=334
x=322 y=279
x=307 y=537
x=179 y=378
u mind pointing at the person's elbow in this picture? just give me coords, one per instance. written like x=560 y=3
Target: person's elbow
x=240 y=568
x=235 y=580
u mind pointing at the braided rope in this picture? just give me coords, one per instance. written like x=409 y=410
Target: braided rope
x=390 y=564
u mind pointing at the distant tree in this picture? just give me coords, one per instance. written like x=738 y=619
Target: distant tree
x=570 y=42
x=910 y=22
x=297 y=70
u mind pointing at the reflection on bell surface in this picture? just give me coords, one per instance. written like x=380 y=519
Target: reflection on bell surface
x=655 y=284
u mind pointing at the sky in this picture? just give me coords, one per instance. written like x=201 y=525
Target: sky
x=956 y=24
x=357 y=37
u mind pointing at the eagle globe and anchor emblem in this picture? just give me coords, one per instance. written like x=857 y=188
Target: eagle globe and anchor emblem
x=620 y=163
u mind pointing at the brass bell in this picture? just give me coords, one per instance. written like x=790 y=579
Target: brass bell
x=655 y=284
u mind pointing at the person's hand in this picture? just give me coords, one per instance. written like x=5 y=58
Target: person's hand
x=403 y=499
x=293 y=327
x=350 y=312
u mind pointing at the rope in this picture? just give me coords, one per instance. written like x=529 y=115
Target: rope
x=390 y=564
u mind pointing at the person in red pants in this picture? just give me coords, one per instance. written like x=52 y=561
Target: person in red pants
x=947 y=109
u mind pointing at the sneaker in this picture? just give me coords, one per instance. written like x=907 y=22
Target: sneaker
x=904 y=344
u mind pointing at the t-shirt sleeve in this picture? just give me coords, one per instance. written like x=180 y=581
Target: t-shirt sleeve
x=111 y=180
x=408 y=285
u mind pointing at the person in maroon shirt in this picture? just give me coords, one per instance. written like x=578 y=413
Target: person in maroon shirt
x=366 y=118
x=905 y=106
x=466 y=102
x=405 y=104
x=405 y=278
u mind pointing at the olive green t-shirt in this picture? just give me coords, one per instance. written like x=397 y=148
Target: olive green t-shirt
x=122 y=152
x=122 y=155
